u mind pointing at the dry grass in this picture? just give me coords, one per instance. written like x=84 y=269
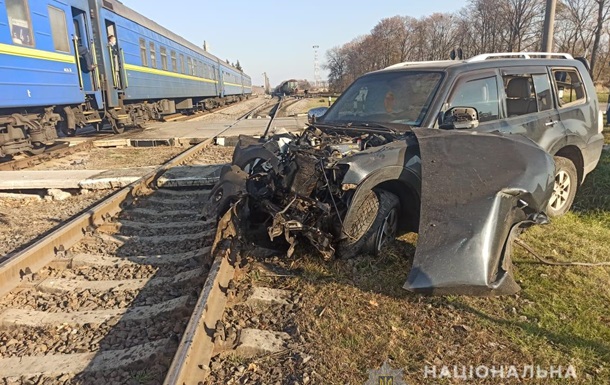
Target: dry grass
x=357 y=314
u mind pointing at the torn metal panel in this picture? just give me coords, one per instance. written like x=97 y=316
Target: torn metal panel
x=477 y=190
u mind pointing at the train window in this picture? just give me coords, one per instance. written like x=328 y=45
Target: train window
x=153 y=56
x=143 y=55
x=174 y=62
x=20 y=22
x=164 y=58
x=195 y=69
x=189 y=64
x=181 y=63
x=59 y=29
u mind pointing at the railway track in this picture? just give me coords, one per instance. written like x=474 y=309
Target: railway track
x=128 y=291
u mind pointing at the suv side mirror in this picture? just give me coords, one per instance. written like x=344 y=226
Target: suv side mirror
x=459 y=118
x=315 y=113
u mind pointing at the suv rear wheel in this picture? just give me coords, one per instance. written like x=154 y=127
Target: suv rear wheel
x=564 y=189
x=372 y=226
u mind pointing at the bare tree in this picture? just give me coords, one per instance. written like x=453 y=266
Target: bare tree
x=581 y=28
x=389 y=36
x=525 y=19
x=603 y=6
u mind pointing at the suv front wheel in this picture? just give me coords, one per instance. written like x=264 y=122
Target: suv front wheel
x=564 y=189
x=372 y=226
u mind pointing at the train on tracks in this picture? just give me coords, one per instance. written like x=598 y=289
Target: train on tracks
x=287 y=87
x=66 y=64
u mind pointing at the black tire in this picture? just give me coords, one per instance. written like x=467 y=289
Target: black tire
x=373 y=224
x=564 y=189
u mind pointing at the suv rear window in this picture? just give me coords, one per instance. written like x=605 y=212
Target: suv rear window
x=569 y=87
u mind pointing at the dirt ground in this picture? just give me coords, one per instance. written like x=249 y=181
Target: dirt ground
x=304 y=105
x=111 y=158
x=23 y=220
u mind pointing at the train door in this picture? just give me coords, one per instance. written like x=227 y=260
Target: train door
x=215 y=78
x=84 y=50
x=118 y=77
x=221 y=82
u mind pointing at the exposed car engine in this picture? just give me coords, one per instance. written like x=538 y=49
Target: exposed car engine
x=293 y=183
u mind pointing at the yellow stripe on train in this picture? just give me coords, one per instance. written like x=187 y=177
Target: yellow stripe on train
x=154 y=71
x=13 y=50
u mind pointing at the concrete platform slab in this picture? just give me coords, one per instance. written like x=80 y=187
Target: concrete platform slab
x=190 y=176
x=25 y=179
x=25 y=197
x=70 y=179
x=210 y=129
x=117 y=178
x=111 y=143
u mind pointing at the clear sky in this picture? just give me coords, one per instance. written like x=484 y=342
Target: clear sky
x=276 y=37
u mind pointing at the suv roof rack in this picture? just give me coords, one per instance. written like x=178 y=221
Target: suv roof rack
x=524 y=55
x=410 y=63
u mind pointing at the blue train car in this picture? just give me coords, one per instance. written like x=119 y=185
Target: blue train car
x=150 y=63
x=38 y=69
x=70 y=63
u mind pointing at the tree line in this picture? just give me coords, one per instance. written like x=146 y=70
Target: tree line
x=582 y=28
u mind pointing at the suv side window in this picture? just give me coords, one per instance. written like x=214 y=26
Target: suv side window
x=527 y=93
x=542 y=87
x=569 y=87
x=520 y=94
x=481 y=94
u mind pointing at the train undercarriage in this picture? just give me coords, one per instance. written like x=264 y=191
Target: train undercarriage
x=27 y=132
x=30 y=132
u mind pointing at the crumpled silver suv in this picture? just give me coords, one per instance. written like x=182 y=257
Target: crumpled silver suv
x=466 y=153
x=549 y=98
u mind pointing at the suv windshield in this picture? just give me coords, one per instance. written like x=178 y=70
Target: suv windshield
x=390 y=97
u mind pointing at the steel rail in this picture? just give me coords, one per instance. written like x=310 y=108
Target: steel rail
x=56 y=151
x=191 y=361
x=273 y=114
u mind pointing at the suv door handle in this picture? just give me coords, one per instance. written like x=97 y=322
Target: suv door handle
x=551 y=123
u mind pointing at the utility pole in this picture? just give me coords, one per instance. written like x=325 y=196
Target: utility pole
x=549 y=24
x=316 y=66
x=267 y=87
